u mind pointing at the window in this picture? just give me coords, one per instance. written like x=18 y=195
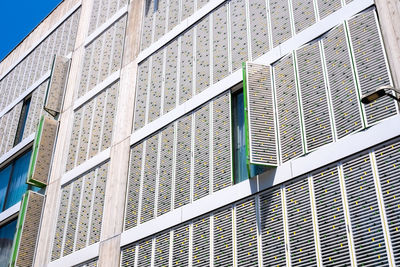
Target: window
x=239 y=141
x=7 y=232
x=13 y=181
x=22 y=120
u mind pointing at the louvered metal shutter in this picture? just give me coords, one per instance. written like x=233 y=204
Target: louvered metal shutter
x=147 y=25
x=331 y=222
x=183 y=162
x=187 y=8
x=258 y=28
x=220 y=44
x=388 y=164
x=238 y=33
x=128 y=256
x=173 y=13
x=39 y=166
x=161 y=250
x=201 y=183
x=170 y=77
x=317 y=121
x=223 y=238
x=180 y=247
x=263 y=147
x=57 y=84
x=370 y=63
x=156 y=83
x=149 y=180
x=246 y=233
x=342 y=86
x=290 y=131
x=202 y=55
x=141 y=95
x=280 y=21
x=272 y=232
x=144 y=257
x=365 y=219
x=161 y=19
x=327 y=7
x=201 y=242
x=24 y=246
x=303 y=14
x=186 y=67
x=301 y=232
x=166 y=170
x=135 y=175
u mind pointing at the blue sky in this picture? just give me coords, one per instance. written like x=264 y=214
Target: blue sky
x=18 y=18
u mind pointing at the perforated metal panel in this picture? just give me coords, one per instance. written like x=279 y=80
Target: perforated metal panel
x=72 y=218
x=103 y=10
x=166 y=170
x=84 y=133
x=220 y=44
x=42 y=154
x=346 y=109
x=187 y=8
x=149 y=179
x=371 y=66
x=170 y=77
x=173 y=14
x=222 y=173
x=118 y=45
x=155 y=86
x=74 y=139
x=303 y=14
x=272 y=233
x=201 y=151
x=109 y=116
x=331 y=222
x=201 y=242
x=327 y=7
x=280 y=21
x=141 y=95
x=9 y=127
x=365 y=219
x=246 y=233
x=96 y=136
x=186 y=67
x=388 y=165
x=35 y=110
x=61 y=220
x=238 y=33
x=135 y=173
x=258 y=28
x=223 y=238
x=203 y=55
x=161 y=250
x=317 y=121
x=288 y=111
x=260 y=115
x=27 y=229
x=201 y=3
x=144 y=257
x=128 y=256
x=90 y=263
x=161 y=17
x=147 y=25
x=301 y=232
x=180 y=248
x=183 y=162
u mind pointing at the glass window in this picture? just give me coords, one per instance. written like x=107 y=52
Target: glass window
x=7 y=233
x=239 y=141
x=22 y=121
x=4 y=180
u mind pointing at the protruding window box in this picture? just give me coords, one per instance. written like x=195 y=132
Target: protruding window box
x=57 y=84
x=39 y=166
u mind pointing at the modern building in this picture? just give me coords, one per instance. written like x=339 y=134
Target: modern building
x=202 y=133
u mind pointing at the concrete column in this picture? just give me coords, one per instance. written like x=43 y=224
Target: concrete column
x=114 y=204
x=50 y=212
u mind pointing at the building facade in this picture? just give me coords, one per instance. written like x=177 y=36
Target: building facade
x=202 y=133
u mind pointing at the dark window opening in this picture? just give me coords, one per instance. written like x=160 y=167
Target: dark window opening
x=22 y=121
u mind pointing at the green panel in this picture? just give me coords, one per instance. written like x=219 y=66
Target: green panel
x=35 y=149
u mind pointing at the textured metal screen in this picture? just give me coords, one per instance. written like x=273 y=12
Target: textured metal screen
x=317 y=121
x=246 y=233
x=280 y=21
x=202 y=55
x=27 y=229
x=220 y=43
x=301 y=232
x=331 y=222
x=162 y=251
x=365 y=219
x=160 y=20
x=371 y=65
x=180 y=247
x=80 y=213
x=303 y=14
x=155 y=89
x=388 y=167
x=170 y=77
x=290 y=131
x=173 y=13
x=260 y=115
x=272 y=229
x=238 y=27
x=186 y=67
x=42 y=154
x=103 y=10
x=144 y=258
x=8 y=129
x=57 y=83
x=258 y=28
x=147 y=25
x=327 y=7
x=201 y=242
x=187 y=8
x=223 y=238
x=141 y=95
x=345 y=101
